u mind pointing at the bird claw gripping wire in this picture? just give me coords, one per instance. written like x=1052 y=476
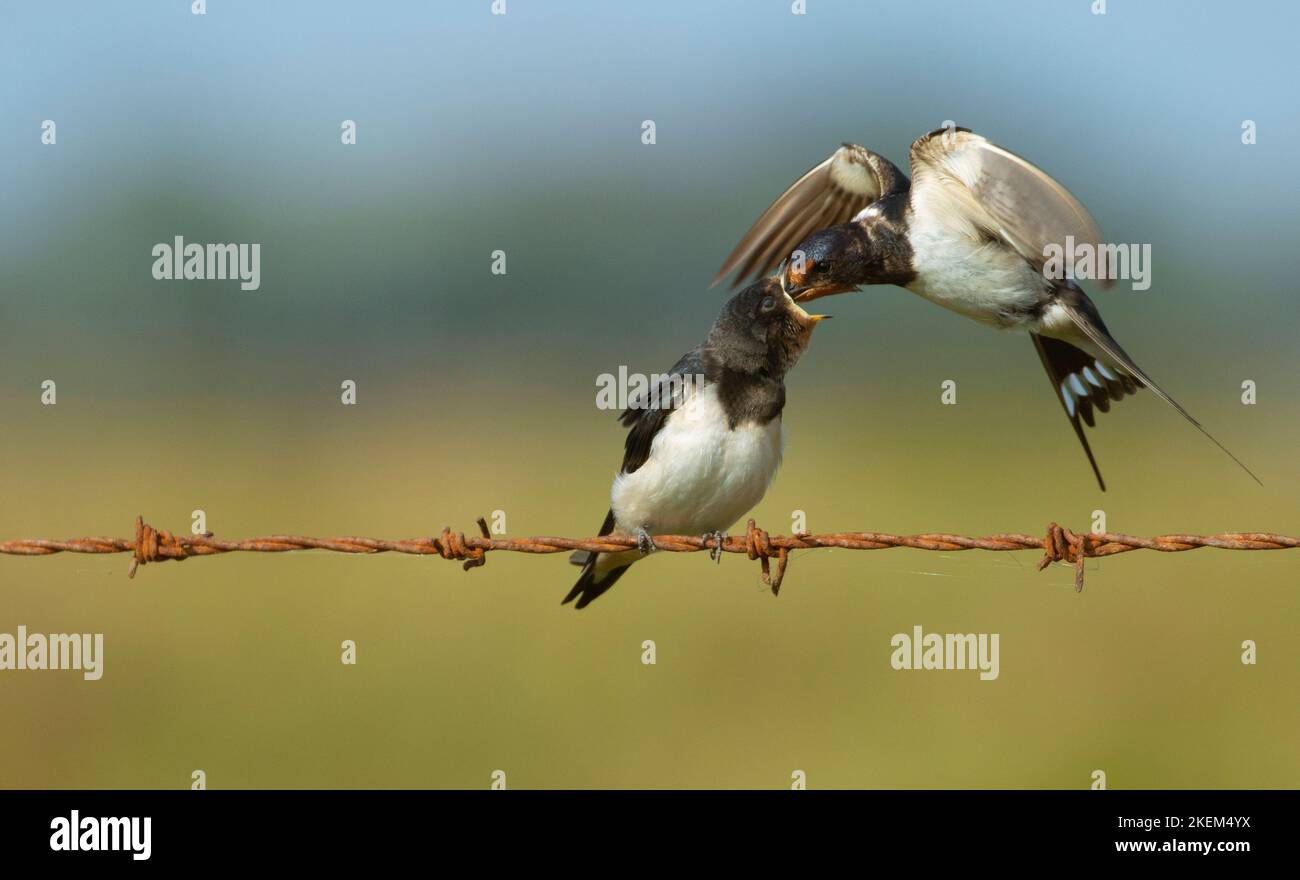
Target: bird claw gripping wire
x=719 y=540
x=645 y=544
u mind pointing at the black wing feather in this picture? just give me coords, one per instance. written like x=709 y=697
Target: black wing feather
x=645 y=421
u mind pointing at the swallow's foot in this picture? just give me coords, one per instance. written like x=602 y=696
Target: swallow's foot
x=715 y=552
x=644 y=542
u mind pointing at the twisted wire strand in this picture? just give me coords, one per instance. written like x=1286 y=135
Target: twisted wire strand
x=1058 y=544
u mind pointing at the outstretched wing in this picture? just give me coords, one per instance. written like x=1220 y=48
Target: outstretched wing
x=830 y=193
x=963 y=180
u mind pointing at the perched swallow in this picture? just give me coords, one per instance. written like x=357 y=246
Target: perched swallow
x=701 y=452
x=971 y=232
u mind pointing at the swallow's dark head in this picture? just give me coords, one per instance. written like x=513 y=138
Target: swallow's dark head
x=838 y=259
x=761 y=328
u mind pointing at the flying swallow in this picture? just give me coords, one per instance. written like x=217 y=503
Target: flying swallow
x=971 y=232
x=705 y=442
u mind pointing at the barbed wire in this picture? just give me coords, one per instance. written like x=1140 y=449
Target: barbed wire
x=1059 y=544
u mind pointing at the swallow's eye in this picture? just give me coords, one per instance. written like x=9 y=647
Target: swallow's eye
x=767 y=305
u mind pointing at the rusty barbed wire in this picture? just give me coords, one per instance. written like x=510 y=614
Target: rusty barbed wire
x=1059 y=544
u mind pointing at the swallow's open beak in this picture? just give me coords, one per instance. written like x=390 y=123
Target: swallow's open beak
x=807 y=320
x=809 y=294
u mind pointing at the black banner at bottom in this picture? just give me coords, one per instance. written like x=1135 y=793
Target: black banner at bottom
x=335 y=828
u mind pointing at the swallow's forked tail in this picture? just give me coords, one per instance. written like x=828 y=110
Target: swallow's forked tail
x=599 y=572
x=593 y=582
x=1085 y=317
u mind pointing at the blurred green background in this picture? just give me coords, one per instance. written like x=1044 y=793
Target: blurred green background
x=476 y=393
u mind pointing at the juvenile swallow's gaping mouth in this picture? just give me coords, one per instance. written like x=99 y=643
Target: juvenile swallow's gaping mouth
x=806 y=320
x=808 y=294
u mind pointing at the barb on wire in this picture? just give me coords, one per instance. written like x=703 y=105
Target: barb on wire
x=1059 y=544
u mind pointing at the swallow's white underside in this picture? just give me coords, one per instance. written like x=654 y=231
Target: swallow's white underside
x=700 y=477
x=956 y=269
x=984 y=280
